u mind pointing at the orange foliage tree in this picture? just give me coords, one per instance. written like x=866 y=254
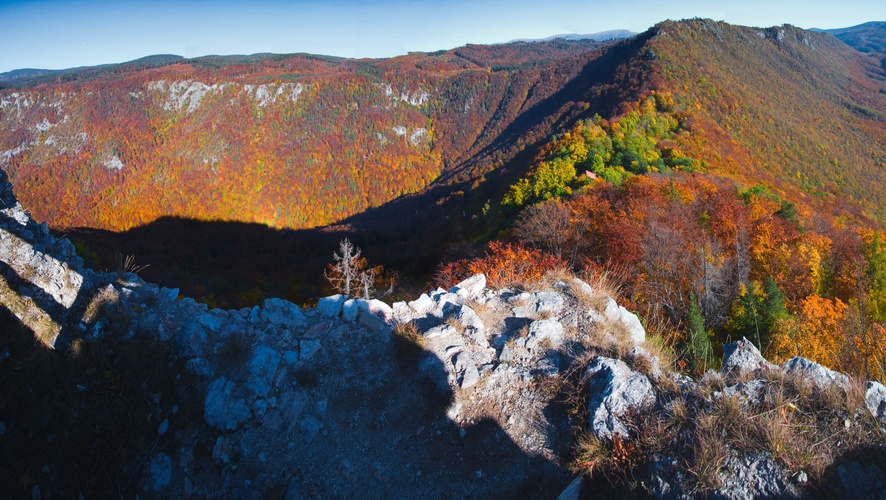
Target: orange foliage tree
x=504 y=264
x=816 y=332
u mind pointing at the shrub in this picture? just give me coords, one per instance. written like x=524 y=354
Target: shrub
x=505 y=264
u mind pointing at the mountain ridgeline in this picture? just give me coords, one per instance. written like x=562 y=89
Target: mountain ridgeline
x=418 y=151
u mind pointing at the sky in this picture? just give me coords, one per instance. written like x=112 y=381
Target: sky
x=58 y=34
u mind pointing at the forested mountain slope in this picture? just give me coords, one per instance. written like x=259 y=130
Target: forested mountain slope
x=294 y=142
x=791 y=108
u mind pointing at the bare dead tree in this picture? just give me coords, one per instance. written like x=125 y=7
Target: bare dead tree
x=344 y=272
x=351 y=275
x=716 y=289
x=367 y=282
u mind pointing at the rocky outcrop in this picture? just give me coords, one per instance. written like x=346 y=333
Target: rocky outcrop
x=450 y=393
x=818 y=375
x=743 y=357
x=613 y=390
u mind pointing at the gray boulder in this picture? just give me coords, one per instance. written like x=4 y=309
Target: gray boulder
x=614 y=389
x=374 y=314
x=283 y=314
x=618 y=314
x=350 y=309
x=742 y=356
x=221 y=409
x=308 y=348
x=820 y=376
x=423 y=305
x=331 y=306
x=190 y=340
x=285 y=416
x=161 y=471
x=470 y=288
x=467 y=374
x=875 y=398
x=751 y=391
x=580 y=287
x=755 y=475
x=211 y=322
x=469 y=319
x=549 y=302
x=544 y=330
x=262 y=370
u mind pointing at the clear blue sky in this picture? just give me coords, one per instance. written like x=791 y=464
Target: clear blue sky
x=55 y=34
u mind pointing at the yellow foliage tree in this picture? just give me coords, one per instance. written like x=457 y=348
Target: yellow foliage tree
x=816 y=332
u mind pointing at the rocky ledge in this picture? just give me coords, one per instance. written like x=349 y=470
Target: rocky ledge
x=462 y=392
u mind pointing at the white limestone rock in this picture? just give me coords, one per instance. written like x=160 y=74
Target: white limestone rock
x=331 y=306
x=471 y=288
x=283 y=314
x=618 y=314
x=820 y=376
x=350 y=309
x=614 y=389
x=262 y=370
x=161 y=471
x=549 y=302
x=875 y=398
x=222 y=409
x=742 y=356
x=549 y=330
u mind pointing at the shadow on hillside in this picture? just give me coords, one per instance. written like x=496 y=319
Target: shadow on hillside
x=85 y=423
x=415 y=448
x=82 y=422
x=598 y=84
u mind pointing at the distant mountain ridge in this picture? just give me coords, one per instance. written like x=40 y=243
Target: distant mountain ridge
x=25 y=73
x=868 y=37
x=601 y=36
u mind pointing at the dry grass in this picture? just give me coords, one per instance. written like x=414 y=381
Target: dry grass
x=455 y=323
x=552 y=276
x=802 y=427
x=408 y=345
x=106 y=296
x=493 y=318
x=30 y=314
x=125 y=264
x=710 y=383
x=661 y=348
x=709 y=451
